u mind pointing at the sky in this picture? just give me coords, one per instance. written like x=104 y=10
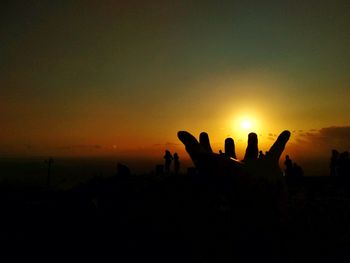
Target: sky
x=120 y=78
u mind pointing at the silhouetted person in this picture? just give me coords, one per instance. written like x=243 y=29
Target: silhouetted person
x=230 y=150
x=168 y=158
x=176 y=163
x=289 y=166
x=334 y=163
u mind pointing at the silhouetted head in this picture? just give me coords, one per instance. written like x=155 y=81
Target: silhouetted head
x=335 y=153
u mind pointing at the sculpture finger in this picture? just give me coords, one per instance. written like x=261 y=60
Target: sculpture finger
x=230 y=148
x=191 y=144
x=252 y=148
x=204 y=142
x=278 y=147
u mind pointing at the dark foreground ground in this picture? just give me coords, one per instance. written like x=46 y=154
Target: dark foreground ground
x=175 y=219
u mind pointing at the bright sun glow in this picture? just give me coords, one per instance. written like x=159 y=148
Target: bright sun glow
x=246 y=124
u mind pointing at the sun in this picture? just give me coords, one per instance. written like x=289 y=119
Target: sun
x=246 y=124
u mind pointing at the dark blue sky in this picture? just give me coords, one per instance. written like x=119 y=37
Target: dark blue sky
x=130 y=74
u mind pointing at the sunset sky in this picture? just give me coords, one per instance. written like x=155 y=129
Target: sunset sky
x=100 y=78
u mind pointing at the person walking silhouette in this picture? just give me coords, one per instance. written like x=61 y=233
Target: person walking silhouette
x=168 y=158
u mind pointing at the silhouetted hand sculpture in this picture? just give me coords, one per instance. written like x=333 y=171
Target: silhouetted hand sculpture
x=225 y=165
x=257 y=178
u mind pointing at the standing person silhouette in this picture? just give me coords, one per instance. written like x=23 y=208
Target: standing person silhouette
x=168 y=158
x=176 y=163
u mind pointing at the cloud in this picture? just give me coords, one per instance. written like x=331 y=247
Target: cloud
x=334 y=137
x=271 y=136
x=335 y=132
x=172 y=144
